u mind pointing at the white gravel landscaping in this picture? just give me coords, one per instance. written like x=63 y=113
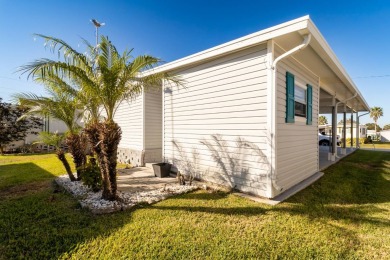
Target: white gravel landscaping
x=94 y=202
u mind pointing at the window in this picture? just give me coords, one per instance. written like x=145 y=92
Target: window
x=300 y=101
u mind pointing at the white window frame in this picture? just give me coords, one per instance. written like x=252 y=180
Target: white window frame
x=298 y=118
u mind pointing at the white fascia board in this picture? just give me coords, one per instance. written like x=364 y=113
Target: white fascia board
x=235 y=45
x=325 y=46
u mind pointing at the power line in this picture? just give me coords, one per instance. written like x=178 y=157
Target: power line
x=372 y=76
x=19 y=79
x=10 y=88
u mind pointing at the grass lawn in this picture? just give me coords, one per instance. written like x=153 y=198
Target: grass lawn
x=345 y=215
x=377 y=145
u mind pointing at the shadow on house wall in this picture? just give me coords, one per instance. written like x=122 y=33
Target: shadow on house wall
x=238 y=164
x=187 y=163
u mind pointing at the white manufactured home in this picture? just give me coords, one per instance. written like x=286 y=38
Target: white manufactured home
x=327 y=130
x=248 y=115
x=385 y=135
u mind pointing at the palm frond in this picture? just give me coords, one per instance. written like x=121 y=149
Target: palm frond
x=97 y=80
x=53 y=139
x=70 y=55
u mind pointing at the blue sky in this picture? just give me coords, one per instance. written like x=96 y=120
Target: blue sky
x=357 y=31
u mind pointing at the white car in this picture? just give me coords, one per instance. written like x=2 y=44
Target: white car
x=326 y=140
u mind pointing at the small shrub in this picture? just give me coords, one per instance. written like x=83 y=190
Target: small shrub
x=91 y=175
x=348 y=141
x=368 y=140
x=27 y=148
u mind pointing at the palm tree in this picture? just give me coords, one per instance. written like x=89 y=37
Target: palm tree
x=60 y=104
x=322 y=120
x=108 y=78
x=375 y=114
x=55 y=139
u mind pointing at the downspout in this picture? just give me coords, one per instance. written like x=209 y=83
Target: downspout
x=142 y=162
x=358 y=127
x=305 y=43
x=337 y=104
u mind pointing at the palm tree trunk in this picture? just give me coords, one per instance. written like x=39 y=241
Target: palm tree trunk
x=375 y=127
x=93 y=134
x=77 y=148
x=110 y=137
x=104 y=139
x=62 y=158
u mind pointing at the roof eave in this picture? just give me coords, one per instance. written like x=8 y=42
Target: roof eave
x=235 y=45
x=263 y=36
x=336 y=63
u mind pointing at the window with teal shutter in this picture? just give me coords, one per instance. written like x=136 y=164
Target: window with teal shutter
x=290 y=103
x=309 y=107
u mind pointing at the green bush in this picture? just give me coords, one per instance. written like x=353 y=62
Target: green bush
x=367 y=140
x=91 y=175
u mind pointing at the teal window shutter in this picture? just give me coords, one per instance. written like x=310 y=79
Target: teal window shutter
x=290 y=102
x=309 y=107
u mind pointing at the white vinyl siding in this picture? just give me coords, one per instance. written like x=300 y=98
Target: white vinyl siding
x=53 y=125
x=153 y=120
x=153 y=125
x=297 y=143
x=129 y=117
x=215 y=127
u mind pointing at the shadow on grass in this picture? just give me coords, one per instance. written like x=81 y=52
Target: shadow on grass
x=361 y=178
x=203 y=196
x=348 y=193
x=244 y=211
x=45 y=223
x=14 y=174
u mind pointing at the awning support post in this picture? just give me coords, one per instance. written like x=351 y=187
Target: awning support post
x=357 y=130
x=344 y=149
x=334 y=134
x=352 y=129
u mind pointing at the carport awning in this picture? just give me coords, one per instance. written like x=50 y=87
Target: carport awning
x=319 y=58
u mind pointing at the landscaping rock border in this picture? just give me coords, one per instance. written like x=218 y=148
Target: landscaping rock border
x=94 y=202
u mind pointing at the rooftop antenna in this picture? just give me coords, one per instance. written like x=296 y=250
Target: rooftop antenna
x=97 y=25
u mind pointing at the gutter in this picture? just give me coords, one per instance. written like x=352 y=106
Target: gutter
x=300 y=47
x=337 y=104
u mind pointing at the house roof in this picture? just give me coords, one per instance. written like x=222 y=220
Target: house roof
x=318 y=56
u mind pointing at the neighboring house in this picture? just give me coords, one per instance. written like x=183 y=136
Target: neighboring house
x=374 y=135
x=49 y=125
x=248 y=115
x=385 y=135
x=327 y=129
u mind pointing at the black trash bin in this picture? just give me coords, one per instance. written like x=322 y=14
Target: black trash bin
x=161 y=170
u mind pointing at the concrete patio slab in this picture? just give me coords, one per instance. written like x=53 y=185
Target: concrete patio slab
x=285 y=195
x=140 y=179
x=323 y=156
